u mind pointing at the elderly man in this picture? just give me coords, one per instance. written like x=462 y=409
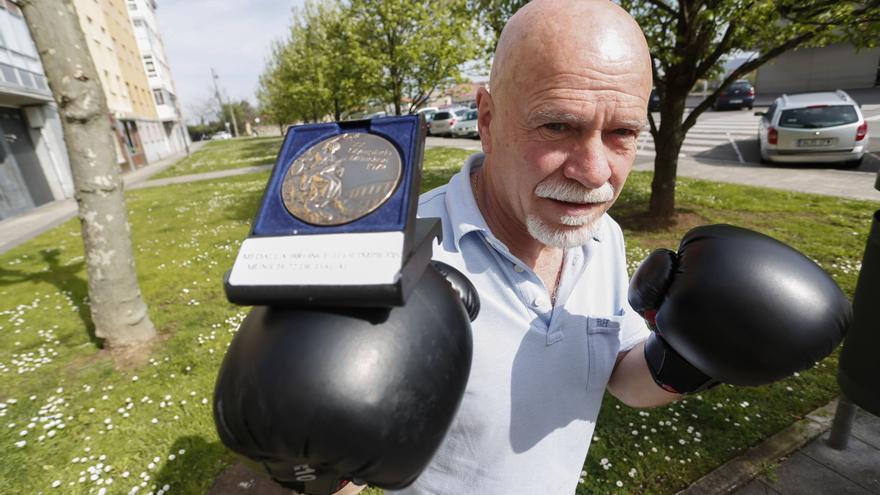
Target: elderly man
x=525 y=221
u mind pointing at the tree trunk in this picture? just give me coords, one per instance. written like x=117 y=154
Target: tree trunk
x=667 y=145
x=118 y=311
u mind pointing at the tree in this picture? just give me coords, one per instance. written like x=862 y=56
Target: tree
x=118 y=311
x=242 y=109
x=688 y=38
x=412 y=48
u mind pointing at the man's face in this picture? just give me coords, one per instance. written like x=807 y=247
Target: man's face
x=564 y=132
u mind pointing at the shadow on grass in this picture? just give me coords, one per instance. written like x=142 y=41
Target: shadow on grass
x=181 y=472
x=65 y=278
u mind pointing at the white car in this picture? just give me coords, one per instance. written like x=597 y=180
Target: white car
x=467 y=126
x=823 y=127
x=441 y=124
x=221 y=136
x=428 y=112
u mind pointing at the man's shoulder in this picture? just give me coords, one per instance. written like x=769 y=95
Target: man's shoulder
x=433 y=203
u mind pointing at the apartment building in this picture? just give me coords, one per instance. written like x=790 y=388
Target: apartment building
x=111 y=40
x=152 y=50
x=34 y=167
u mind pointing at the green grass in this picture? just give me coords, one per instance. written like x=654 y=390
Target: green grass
x=226 y=155
x=187 y=235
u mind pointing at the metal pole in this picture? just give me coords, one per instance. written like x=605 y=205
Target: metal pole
x=214 y=77
x=842 y=425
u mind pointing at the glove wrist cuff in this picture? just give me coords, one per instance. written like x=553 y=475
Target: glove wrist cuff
x=671 y=372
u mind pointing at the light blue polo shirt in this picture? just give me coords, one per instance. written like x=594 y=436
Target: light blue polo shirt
x=539 y=371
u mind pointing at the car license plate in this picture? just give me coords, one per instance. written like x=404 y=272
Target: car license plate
x=736 y=101
x=816 y=142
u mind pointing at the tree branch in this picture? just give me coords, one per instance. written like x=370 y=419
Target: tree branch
x=744 y=69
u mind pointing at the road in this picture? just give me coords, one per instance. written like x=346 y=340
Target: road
x=732 y=137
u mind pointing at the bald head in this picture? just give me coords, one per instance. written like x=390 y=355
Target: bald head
x=553 y=36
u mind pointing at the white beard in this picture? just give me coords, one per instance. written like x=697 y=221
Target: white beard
x=571 y=192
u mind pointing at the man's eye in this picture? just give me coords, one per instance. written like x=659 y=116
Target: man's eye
x=624 y=132
x=556 y=127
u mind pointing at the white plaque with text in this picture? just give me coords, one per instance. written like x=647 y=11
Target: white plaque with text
x=373 y=258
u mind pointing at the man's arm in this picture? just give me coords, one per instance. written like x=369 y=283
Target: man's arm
x=631 y=381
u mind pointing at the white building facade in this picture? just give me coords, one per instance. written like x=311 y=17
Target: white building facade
x=34 y=166
x=149 y=41
x=836 y=66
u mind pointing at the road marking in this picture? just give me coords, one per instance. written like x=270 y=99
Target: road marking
x=735 y=148
x=876 y=117
x=875 y=156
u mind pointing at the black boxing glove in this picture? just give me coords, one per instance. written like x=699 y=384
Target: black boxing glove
x=316 y=397
x=462 y=286
x=737 y=307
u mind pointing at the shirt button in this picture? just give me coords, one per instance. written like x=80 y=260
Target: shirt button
x=517 y=268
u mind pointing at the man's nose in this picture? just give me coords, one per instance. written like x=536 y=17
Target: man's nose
x=587 y=162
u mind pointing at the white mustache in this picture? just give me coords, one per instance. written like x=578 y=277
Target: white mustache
x=573 y=192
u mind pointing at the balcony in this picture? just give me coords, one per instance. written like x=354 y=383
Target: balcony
x=20 y=86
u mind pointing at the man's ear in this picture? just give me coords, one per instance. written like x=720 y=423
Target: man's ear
x=485 y=114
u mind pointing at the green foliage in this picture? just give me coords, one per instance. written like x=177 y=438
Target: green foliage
x=413 y=48
x=494 y=15
x=344 y=57
x=296 y=84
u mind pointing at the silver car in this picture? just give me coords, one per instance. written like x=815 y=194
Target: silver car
x=441 y=124
x=467 y=126
x=813 y=128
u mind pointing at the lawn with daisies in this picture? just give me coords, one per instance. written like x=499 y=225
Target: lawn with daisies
x=74 y=422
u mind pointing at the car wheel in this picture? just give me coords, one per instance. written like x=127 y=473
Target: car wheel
x=853 y=163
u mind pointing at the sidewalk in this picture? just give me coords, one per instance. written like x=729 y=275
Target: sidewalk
x=24 y=227
x=799 y=461
x=844 y=183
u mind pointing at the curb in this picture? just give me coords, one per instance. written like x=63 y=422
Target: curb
x=737 y=472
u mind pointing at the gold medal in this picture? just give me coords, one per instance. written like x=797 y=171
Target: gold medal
x=341 y=179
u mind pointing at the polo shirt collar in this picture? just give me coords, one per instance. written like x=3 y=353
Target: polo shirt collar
x=464 y=215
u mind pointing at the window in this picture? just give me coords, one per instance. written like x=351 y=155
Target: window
x=160 y=97
x=9 y=73
x=151 y=67
x=138 y=22
x=132 y=6
x=818 y=117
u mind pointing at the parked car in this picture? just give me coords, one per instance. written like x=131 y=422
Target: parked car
x=467 y=126
x=374 y=115
x=441 y=124
x=221 y=136
x=822 y=127
x=739 y=94
x=428 y=112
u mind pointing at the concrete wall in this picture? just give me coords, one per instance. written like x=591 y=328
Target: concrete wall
x=837 y=66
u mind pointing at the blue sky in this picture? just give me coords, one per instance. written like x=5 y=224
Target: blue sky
x=233 y=37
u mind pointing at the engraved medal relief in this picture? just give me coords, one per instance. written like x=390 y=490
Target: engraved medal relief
x=341 y=179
